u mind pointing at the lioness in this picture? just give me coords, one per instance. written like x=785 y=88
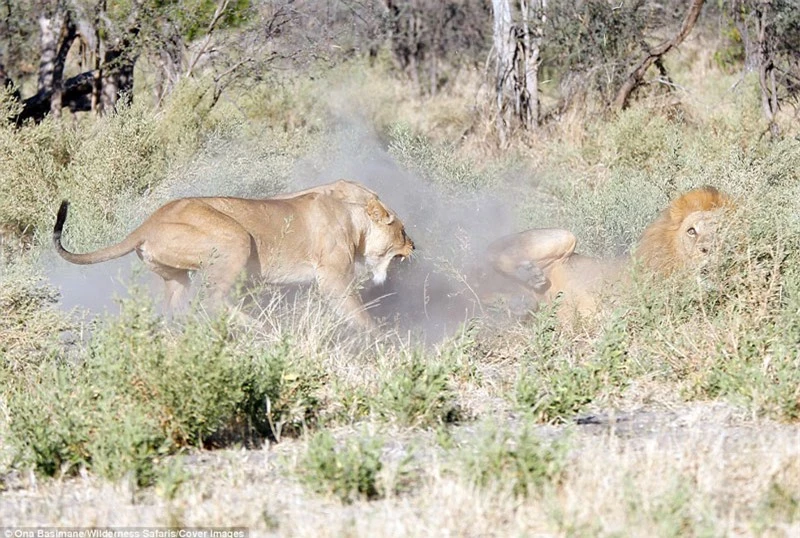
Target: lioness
x=297 y=239
x=536 y=266
x=342 y=189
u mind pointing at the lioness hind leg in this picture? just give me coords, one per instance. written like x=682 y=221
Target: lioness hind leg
x=528 y=256
x=205 y=240
x=545 y=246
x=176 y=289
x=176 y=283
x=225 y=267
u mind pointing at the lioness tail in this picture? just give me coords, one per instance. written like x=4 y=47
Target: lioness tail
x=104 y=254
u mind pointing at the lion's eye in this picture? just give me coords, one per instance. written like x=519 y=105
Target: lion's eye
x=692 y=232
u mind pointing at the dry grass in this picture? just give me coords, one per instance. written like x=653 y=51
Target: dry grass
x=676 y=407
x=692 y=470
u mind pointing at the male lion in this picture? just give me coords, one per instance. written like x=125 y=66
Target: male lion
x=536 y=266
x=291 y=240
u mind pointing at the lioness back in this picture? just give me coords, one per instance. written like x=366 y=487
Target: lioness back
x=313 y=236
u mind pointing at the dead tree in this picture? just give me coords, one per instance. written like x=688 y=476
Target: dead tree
x=770 y=33
x=427 y=38
x=96 y=89
x=654 y=55
x=503 y=57
x=517 y=58
x=766 y=70
x=57 y=33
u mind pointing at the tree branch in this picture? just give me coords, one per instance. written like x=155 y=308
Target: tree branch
x=636 y=76
x=75 y=96
x=221 y=7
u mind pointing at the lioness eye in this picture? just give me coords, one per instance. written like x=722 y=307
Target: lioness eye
x=692 y=232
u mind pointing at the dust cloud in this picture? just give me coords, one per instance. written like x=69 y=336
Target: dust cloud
x=98 y=289
x=426 y=295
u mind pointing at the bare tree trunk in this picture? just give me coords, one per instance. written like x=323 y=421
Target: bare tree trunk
x=117 y=77
x=635 y=78
x=517 y=60
x=751 y=53
x=528 y=98
x=57 y=35
x=405 y=30
x=504 y=65
x=222 y=5
x=97 y=78
x=434 y=59
x=415 y=29
x=119 y=59
x=49 y=28
x=68 y=33
x=169 y=61
x=6 y=82
x=532 y=41
x=766 y=72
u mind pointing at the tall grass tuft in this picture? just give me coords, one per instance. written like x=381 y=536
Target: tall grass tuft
x=418 y=393
x=520 y=462
x=144 y=388
x=349 y=470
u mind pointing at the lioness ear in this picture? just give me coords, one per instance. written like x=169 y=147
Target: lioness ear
x=378 y=213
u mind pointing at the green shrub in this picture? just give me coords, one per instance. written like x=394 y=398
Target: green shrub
x=50 y=418
x=437 y=164
x=557 y=391
x=32 y=162
x=556 y=379
x=417 y=393
x=522 y=462
x=31 y=327
x=143 y=388
x=125 y=439
x=192 y=381
x=780 y=503
x=349 y=471
x=678 y=510
x=282 y=390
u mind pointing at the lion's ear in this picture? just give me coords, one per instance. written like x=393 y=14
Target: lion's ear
x=378 y=213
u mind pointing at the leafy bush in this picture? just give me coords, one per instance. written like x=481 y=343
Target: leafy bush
x=31 y=326
x=50 y=419
x=31 y=168
x=100 y=164
x=281 y=390
x=556 y=379
x=350 y=471
x=143 y=389
x=418 y=393
x=521 y=462
x=676 y=510
x=436 y=163
x=780 y=503
x=193 y=380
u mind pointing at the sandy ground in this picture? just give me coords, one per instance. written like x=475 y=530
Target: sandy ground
x=621 y=469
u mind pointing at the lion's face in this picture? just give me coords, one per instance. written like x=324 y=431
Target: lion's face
x=685 y=233
x=696 y=237
x=385 y=240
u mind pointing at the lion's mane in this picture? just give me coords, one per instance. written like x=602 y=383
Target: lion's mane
x=659 y=248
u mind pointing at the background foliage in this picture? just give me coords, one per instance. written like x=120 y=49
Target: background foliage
x=122 y=395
